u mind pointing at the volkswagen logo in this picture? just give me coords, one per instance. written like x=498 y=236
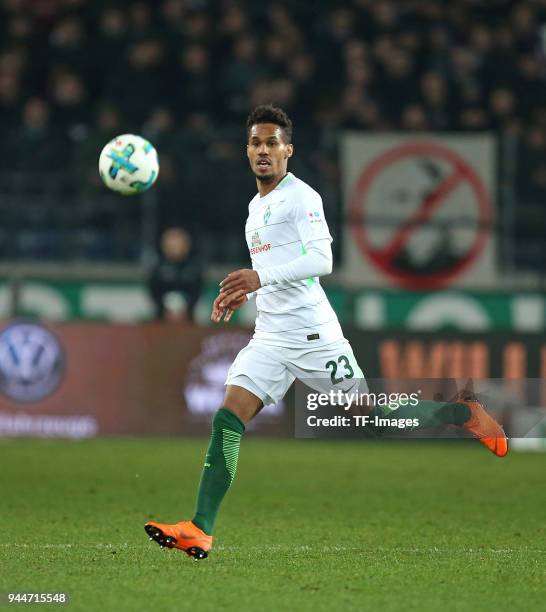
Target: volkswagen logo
x=31 y=362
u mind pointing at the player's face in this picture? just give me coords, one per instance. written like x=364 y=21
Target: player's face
x=267 y=151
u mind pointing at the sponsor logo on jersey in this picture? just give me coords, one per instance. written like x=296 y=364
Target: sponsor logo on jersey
x=257 y=246
x=260 y=249
x=314 y=217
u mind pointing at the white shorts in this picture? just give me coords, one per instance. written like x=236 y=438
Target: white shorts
x=268 y=371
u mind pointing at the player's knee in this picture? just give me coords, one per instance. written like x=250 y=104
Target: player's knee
x=242 y=403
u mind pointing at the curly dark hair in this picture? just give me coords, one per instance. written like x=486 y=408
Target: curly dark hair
x=267 y=113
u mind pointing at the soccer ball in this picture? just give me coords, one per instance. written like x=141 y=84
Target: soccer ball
x=128 y=164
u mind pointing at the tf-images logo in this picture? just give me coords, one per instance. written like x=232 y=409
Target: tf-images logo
x=31 y=362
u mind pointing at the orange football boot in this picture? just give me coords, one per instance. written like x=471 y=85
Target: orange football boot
x=484 y=427
x=184 y=535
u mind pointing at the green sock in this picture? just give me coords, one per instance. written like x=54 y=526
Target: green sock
x=429 y=413
x=219 y=469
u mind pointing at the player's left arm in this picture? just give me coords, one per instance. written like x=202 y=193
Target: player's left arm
x=316 y=260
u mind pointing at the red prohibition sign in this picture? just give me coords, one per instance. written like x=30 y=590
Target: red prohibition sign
x=383 y=258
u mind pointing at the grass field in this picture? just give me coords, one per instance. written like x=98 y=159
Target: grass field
x=306 y=526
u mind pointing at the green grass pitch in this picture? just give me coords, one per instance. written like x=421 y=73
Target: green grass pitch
x=307 y=525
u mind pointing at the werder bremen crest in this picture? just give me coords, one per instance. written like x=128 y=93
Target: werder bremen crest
x=267 y=214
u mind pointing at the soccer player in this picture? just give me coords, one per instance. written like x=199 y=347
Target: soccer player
x=297 y=333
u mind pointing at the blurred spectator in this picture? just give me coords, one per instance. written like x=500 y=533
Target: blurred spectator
x=414 y=119
x=175 y=282
x=160 y=128
x=69 y=100
x=439 y=45
x=13 y=60
x=396 y=83
x=466 y=78
x=436 y=101
x=39 y=146
x=239 y=73
x=67 y=45
x=530 y=83
x=276 y=54
x=140 y=20
x=109 y=44
x=524 y=26
x=108 y=124
x=301 y=69
x=532 y=175
x=502 y=104
x=140 y=80
x=194 y=86
x=233 y=22
x=10 y=99
x=173 y=13
x=473 y=119
x=20 y=28
x=197 y=27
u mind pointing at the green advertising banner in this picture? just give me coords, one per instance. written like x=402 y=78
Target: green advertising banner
x=459 y=310
x=128 y=302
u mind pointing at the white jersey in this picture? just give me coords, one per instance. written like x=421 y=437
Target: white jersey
x=279 y=228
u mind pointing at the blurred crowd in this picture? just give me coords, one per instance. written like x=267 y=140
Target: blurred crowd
x=185 y=73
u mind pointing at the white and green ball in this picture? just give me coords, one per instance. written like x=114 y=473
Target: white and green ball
x=128 y=164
